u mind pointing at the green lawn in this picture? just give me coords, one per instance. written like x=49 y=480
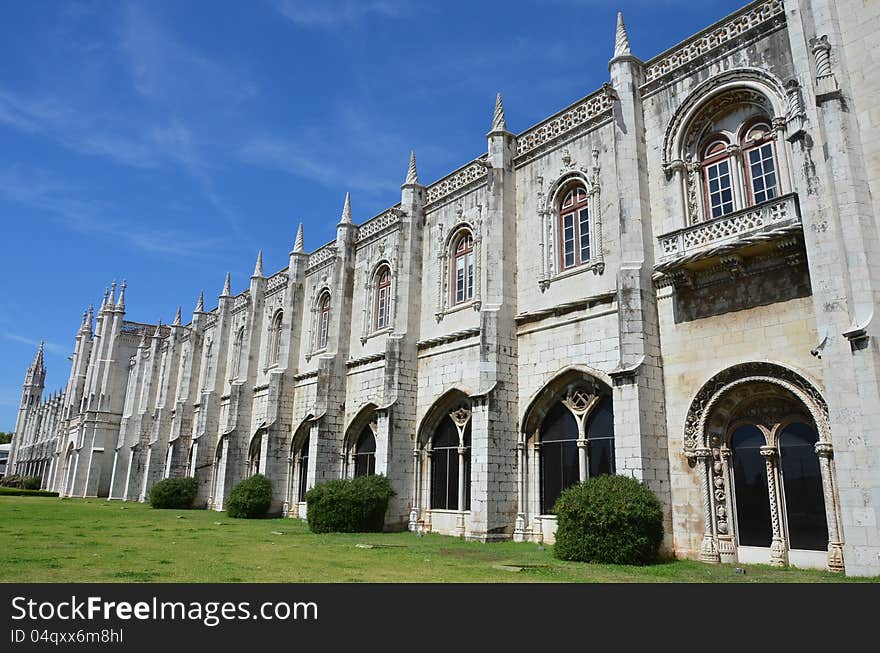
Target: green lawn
x=94 y=540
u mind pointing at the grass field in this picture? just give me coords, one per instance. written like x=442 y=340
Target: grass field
x=94 y=540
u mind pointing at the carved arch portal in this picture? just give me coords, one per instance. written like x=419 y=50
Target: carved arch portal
x=766 y=398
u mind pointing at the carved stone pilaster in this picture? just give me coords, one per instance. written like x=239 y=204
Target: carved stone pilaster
x=826 y=82
x=778 y=548
x=708 y=547
x=825 y=452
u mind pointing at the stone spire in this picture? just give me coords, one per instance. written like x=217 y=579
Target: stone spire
x=143 y=342
x=412 y=175
x=621 y=40
x=499 y=124
x=200 y=305
x=227 y=290
x=84 y=326
x=104 y=301
x=258 y=268
x=346 y=210
x=158 y=332
x=111 y=301
x=37 y=365
x=120 y=305
x=299 y=244
x=176 y=318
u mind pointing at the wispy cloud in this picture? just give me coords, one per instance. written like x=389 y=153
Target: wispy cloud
x=38 y=190
x=167 y=71
x=50 y=347
x=329 y=13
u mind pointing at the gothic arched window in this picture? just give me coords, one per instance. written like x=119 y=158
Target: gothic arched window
x=451 y=466
x=274 y=351
x=302 y=471
x=463 y=268
x=237 y=349
x=383 y=298
x=574 y=228
x=323 y=320
x=254 y=454
x=576 y=443
x=365 y=453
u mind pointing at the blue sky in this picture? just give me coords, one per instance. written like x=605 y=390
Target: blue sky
x=166 y=142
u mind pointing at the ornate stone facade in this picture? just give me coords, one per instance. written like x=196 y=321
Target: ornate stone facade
x=669 y=279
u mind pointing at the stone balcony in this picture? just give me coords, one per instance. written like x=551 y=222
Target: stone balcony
x=749 y=228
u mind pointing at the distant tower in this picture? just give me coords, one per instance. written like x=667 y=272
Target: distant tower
x=31 y=393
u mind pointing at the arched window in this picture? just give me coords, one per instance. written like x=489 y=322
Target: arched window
x=802 y=487
x=760 y=161
x=254 y=453
x=463 y=268
x=576 y=443
x=237 y=349
x=717 y=179
x=383 y=298
x=750 y=487
x=559 y=455
x=323 y=320
x=736 y=151
x=574 y=228
x=365 y=453
x=302 y=471
x=274 y=351
x=451 y=465
x=777 y=481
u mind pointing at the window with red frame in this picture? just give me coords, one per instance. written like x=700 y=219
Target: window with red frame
x=463 y=270
x=574 y=228
x=383 y=297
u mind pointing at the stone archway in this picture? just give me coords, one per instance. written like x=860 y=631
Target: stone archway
x=766 y=398
x=561 y=421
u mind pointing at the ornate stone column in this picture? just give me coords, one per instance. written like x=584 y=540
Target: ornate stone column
x=414 y=509
x=720 y=466
x=825 y=451
x=519 y=527
x=783 y=177
x=537 y=529
x=426 y=521
x=737 y=176
x=778 y=547
x=708 y=547
x=462 y=450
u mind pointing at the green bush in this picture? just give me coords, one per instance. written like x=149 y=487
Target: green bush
x=31 y=482
x=178 y=493
x=609 y=519
x=19 y=492
x=251 y=498
x=354 y=505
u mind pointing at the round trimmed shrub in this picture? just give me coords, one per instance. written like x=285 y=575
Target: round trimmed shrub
x=251 y=498
x=176 y=493
x=609 y=519
x=354 y=505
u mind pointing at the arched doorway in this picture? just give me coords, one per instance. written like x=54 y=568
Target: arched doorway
x=758 y=435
